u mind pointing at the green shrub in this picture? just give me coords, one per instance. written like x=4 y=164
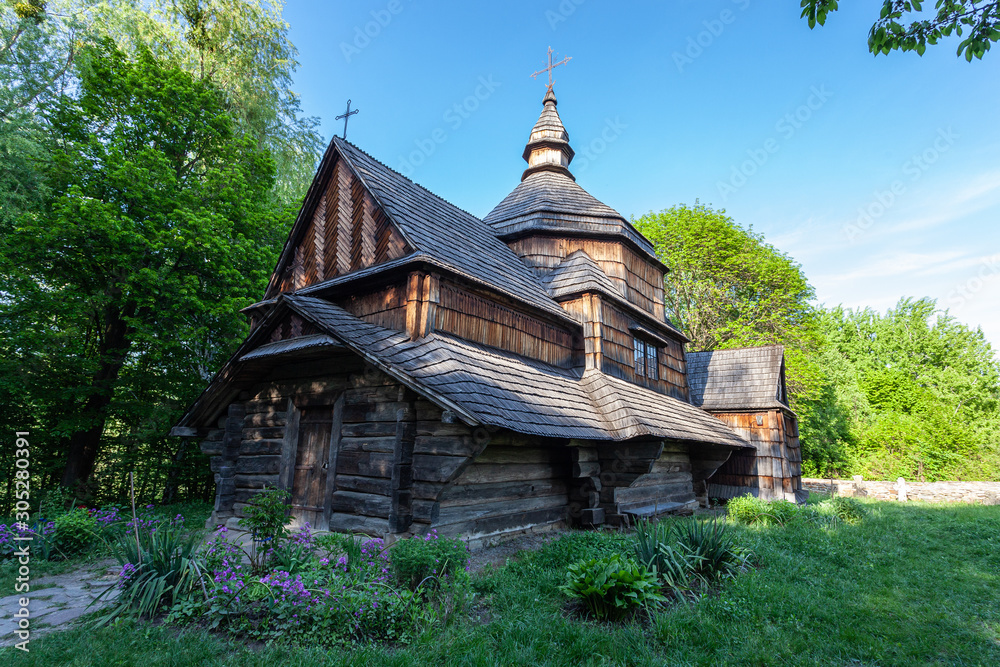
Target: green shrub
x=782 y=512
x=338 y=543
x=418 y=560
x=264 y=518
x=74 y=532
x=612 y=587
x=847 y=509
x=750 y=511
x=688 y=554
x=649 y=535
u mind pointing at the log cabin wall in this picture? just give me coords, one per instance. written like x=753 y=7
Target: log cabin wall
x=774 y=470
x=515 y=483
x=634 y=478
x=370 y=453
x=640 y=280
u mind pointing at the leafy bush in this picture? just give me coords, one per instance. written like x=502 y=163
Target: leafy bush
x=74 y=532
x=295 y=553
x=847 y=509
x=264 y=518
x=612 y=587
x=415 y=561
x=159 y=567
x=750 y=510
x=347 y=546
x=782 y=512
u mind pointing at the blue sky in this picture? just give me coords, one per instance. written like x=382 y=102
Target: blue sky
x=881 y=176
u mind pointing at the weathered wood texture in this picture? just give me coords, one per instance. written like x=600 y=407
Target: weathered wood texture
x=385 y=307
x=292 y=326
x=648 y=477
x=484 y=320
x=619 y=360
x=512 y=486
x=347 y=231
x=640 y=281
x=774 y=470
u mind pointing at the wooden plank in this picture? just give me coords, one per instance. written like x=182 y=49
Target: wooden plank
x=454 y=495
x=289 y=445
x=472 y=512
x=369 y=504
x=436 y=468
x=507 y=472
x=336 y=429
x=366 y=464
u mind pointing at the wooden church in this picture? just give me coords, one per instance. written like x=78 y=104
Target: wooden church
x=413 y=367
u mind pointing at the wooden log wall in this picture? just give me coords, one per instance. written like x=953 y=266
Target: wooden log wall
x=641 y=475
x=774 y=470
x=347 y=231
x=640 y=280
x=482 y=319
x=516 y=483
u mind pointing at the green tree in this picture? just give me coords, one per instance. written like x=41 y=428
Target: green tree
x=904 y=25
x=122 y=291
x=924 y=391
x=240 y=46
x=728 y=288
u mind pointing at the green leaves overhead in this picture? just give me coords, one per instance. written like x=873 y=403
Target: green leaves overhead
x=905 y=25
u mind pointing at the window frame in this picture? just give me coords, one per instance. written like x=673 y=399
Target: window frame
x=645 y=358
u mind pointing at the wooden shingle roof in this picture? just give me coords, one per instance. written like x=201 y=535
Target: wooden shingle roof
x=576 y=274
x=455 y=239
x=489 y=386
x=739 y=379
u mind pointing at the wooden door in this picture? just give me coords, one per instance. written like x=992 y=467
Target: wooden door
x=315 y=460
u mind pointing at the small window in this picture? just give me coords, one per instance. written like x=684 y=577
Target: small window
x=646 y=359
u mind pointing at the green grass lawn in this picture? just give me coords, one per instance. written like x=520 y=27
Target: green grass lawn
x=912 y=585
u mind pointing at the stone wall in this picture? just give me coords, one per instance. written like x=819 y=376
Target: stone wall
x=981 y=493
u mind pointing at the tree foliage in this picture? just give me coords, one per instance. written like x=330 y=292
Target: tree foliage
x=726 y=286
x=122 y=291
x=905 y=25
x=911 y=392
x=925 y=392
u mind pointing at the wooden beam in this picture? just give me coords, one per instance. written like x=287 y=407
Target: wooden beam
x=331 y=468
x=289 y=445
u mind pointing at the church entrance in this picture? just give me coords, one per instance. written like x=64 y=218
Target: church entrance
x=315 y=465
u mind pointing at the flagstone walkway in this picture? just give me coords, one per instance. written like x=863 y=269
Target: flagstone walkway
x=57 y=600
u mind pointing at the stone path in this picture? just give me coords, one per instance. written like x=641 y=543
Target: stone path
x=64 y=599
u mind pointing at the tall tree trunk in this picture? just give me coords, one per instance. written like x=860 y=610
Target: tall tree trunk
x=83 y=446
x=173 y=472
